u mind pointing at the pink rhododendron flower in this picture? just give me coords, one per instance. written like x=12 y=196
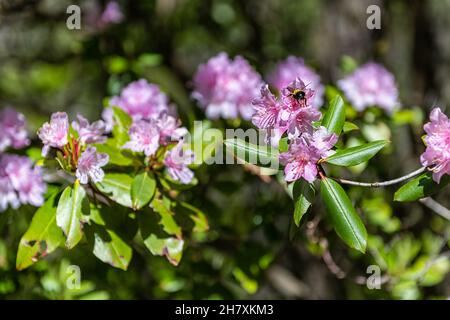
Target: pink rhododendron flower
x=292 y=68
x=298 y=113
x=176 y=161
x=111 y=14
x=292 y=113
x=226 y=87
x=141 y=100
x=267 y=110
x=20 y=182
x=304 y=153
x=89 y=165
x=108 y=119
x=144 y=137
x=169 y=129
x=54 y=133
x=90 y=133
x=12 y=130
x=370 y=85
x=437 y=153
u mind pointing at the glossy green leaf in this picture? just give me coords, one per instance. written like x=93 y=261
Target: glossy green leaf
x=334 y=118
x=420 y=187
x=117 y=186
x=343 y=216
x=199 y=222
x=42 y=237
x=122 y=123
x=167 y=221
x=156 y=240
x=283 y=145
x=172 y=248
x=356 y=155
x=264 y=156
x=349 y=126
x=116 y=157
x=303 y=195
x=109 y=247
x=142 y=189
x=71 y=213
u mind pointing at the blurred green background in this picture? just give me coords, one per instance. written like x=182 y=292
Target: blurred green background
x=44 y=67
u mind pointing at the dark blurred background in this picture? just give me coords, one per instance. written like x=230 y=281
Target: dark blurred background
x=45 y=67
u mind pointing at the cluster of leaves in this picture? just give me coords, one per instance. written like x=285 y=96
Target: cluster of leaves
x=134 y=203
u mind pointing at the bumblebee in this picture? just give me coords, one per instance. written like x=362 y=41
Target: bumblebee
x=298 y=94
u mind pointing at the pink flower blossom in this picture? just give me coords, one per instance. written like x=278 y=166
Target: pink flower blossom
x=108 y=119
x=177 y=161
x=304 y=153
x=12 y=130
x=144 y=137
x=298 y=114
x=371 y=85
x=89 y=165
x=141 y=100
x=267 y=110
x=169 y=129
x=20 y=182
x=226 y=87
x=293 y=112
x=54 y=133
x=111 y=14
x=292 y=68
x=437 y=153
x=89 y=133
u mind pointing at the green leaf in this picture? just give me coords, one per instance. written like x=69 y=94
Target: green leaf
x=171 y=247
x=356 y=155
x=420 y=187
x=303 y=195
x=156 y=240
x=142 y=189
x=122 y=123
x=109 y=247
x=167 y=221
x=334 y=118
x=116 y=157
x=283 y=145
x=263 y=156
x=196 y=216
x=343 y=216
x=117 y=186
x=349 y=126
x=72 y=205
x=42 y=237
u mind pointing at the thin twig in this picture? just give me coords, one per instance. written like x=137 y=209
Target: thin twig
x=381 y=183
x=436 y=207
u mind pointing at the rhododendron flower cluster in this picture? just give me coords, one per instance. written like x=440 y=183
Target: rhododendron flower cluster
x=304 y=153
x=73 y=151
x=89 y=165
x=292 y=68
x=20 y=182
x=370 y=85
x=100 y=19
x=225 y=87
x=177 y=161
x=12 y=130
x=141 y=100
x=150 y=136
x=294 y=114
x=437 y=153
x=291 y=113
